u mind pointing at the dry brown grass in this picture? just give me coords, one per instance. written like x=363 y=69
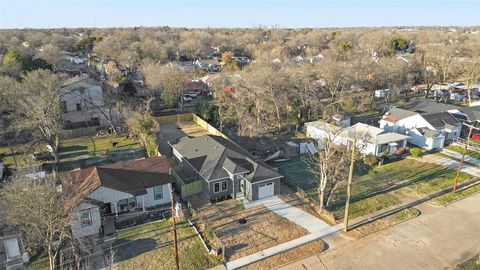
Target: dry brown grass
x=264 y=229
x=297 y=253
x=382 y=223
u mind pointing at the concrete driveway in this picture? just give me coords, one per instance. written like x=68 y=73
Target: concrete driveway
x=294 y=214
x=441 y=237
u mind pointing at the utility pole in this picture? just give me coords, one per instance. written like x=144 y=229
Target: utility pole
x=174 y=228
x=349 y=185
x=460 y=165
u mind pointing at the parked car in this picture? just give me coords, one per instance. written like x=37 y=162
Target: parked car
x=192 y=94
x=186 y=98
x=43 y=156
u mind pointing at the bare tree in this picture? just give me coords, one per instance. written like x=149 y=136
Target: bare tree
x=471 y=75
x=330 y=168
x=170 y=81
x=144 y=127
x=37 y=211
x=38 y=108
x=51 y=53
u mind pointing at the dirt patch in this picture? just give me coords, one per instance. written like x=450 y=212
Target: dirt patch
x=297 y=253
x=263 y=229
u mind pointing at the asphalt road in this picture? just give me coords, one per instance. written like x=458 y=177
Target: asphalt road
x=440 y=237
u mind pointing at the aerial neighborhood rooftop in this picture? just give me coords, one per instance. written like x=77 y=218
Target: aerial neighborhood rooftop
x=239 y=148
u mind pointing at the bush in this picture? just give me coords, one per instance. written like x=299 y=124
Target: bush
x=370 y=160
x=416 y=152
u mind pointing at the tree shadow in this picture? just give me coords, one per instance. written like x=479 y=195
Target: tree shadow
x=127 y=250
x=72 y=148
x=72 y=154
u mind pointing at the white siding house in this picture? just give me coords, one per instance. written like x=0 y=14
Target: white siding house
x=427 y=130
x=113 y=189
x=86 y=220
x=370 y=140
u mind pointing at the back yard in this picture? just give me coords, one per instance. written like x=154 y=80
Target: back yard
x=151 y=247
x=77 y=152
x=384 y=186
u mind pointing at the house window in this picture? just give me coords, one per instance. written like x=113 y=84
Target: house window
x=220 y=186
x=127 y=203
x=85 y=218
x=224 y=185
x=63 y=106
x=157 y=193
x=79 y=107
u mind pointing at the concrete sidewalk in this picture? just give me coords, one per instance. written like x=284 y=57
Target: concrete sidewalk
x=255 y=257
x=451 y=164
x=317 y=228
x=457 y=155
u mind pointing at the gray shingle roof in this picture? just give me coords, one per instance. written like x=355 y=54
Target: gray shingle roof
x=212 y=156
x=426 y=106
x=440 y=119
x=398 y=113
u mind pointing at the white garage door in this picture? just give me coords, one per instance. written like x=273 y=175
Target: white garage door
x=265 y=190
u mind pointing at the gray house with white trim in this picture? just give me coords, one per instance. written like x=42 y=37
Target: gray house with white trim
x=225 y=168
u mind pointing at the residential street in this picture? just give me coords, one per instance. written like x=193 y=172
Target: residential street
x=440 y=237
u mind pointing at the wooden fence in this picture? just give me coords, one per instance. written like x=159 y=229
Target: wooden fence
x=79 y=132
x=175 y=118
x=187 y=189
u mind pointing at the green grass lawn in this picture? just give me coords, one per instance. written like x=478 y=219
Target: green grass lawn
x=150 y=247
x=400 y=181
x=77 y=152
x=90 y=151
x=39 y=263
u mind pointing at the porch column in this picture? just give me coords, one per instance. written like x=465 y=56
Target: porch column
x=234 y=188
x=116 y=210
x=143 y=202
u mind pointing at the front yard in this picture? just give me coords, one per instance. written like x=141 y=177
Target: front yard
x=383 y=187
x=263 y=229
x=151 y=247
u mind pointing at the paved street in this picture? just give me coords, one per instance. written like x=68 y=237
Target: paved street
x=440 y=237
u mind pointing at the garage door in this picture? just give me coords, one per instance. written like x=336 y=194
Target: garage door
x=265 y=190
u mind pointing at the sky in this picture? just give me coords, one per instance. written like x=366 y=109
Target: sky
x=236 y=13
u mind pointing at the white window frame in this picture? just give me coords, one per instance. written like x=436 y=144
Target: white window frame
x=155 y=194
x=220 y=187
x=88 y=221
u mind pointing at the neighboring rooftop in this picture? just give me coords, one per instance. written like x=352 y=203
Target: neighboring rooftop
x=427 y=106
x=132 y=177
x=440 y=119
x=362 y=131
x=215 y=157
x=397 y=114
